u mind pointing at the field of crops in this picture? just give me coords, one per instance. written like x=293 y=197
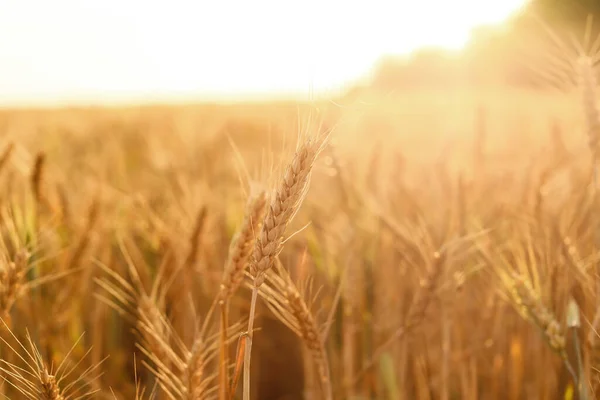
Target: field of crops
x=423 y=245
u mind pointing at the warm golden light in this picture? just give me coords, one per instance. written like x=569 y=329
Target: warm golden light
x=115 y=50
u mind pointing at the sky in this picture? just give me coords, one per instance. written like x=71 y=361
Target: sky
x=74 y=51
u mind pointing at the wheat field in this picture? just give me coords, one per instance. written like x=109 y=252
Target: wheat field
x=418 y=245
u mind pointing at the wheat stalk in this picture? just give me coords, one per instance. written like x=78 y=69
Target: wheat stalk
x=240 y=249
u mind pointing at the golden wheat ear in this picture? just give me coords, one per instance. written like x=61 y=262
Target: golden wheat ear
x=142 y=310
x=519 y=291
x=240 y=248
x=242 y=245
x=182 y=372
x=291 y=307
x=284 y=204
x=34 y=379
x=12 y=281
x=193 y=375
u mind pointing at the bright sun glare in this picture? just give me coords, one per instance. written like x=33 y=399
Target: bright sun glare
x=115 y=50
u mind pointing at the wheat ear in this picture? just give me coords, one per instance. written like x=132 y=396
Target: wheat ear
x=289 y=306
x=283 y=206
x=12 y=277
x=242 y=245
x=239 y=251
x=531 y=306
x=35 y=381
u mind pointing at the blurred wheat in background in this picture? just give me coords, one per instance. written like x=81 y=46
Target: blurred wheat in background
x=429 y=232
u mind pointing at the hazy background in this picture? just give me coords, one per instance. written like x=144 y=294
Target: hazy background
x=82 y=51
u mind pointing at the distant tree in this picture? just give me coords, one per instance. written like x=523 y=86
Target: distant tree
x=512 y=56
x=568 y=12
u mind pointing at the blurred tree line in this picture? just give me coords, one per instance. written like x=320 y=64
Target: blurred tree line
x=512 y=54
x=567 y=12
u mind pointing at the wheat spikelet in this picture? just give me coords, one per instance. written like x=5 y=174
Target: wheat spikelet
x=526 y=299
x=188 y=378
x=286 y=302
x=286 y=201
x=37 y=177
x=50 y=389
x=239 y=251
x=182 y=373
x=12 y=276
x=311 y=337
x=152 y=326
x=195 y=240
x=186 y=374
x=184 y=278
x=65 y=205
x=142 y=309
x=194 y=374
x=35 y=381
x=242 y=245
